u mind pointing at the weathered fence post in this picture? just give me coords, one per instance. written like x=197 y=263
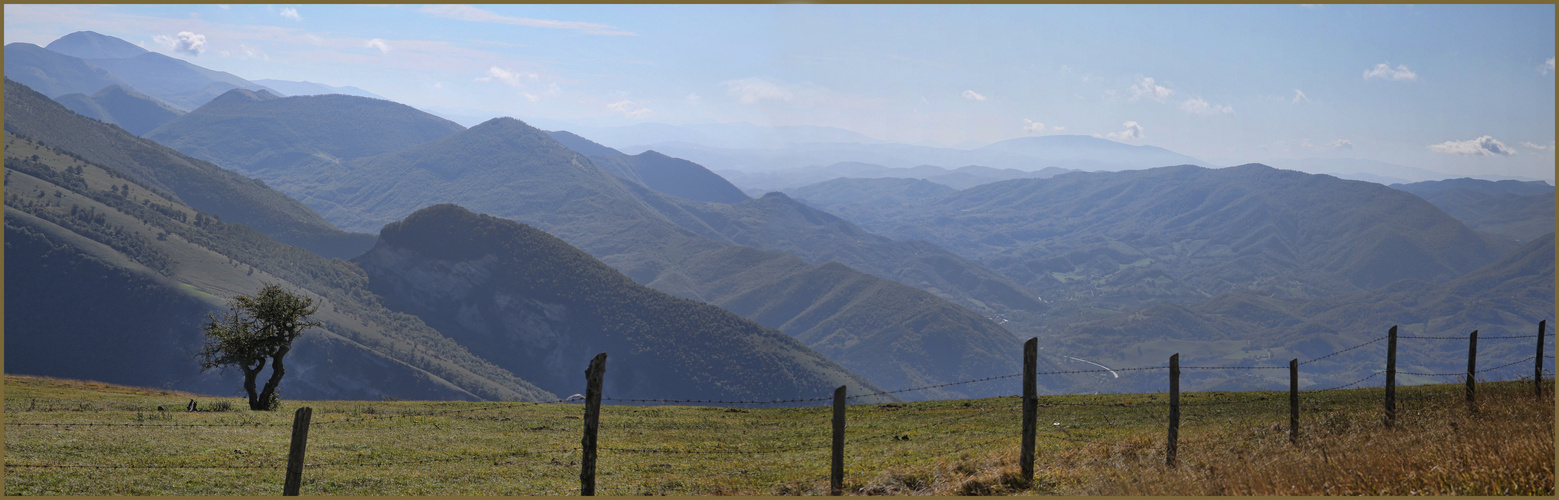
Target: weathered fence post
x=593 y=376
x=1293 y=401
x=1174 y=410
x=1030 y=407
x=300 y=440
x=1537 y=370
x=836 y=471
x=1391 y=376
x=1472 y=369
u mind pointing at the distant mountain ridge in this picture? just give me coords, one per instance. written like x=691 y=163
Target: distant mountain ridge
x=673 y=176
x=291 y=88
x=1025 y=154
x=1520 y=211
x=90 y=45
x=1181 y=233
x=133 y=111
x=256 y=131
x=87 y=62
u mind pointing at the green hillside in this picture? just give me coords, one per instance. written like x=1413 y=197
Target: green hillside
x=498 y=286
x=199 y=184
x=118 y=272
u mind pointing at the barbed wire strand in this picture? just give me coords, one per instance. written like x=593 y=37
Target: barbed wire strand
x=1377 y=339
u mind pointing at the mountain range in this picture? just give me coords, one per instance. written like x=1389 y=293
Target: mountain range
x=1029 y=154
x=885 y=269
x=1519 y=211
x=85 y=239
x=508 y=169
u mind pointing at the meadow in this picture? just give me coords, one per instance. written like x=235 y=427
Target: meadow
x=65 y=437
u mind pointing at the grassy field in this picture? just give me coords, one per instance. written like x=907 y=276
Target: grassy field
x=117 y=442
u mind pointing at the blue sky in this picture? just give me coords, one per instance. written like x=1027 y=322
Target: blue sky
x=1457 y=89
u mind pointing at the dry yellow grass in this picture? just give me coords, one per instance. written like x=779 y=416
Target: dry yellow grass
x=1231 y=444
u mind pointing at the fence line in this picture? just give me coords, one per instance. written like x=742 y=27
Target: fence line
x=959 y=415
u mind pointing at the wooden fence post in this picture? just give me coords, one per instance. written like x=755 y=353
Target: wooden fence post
x=1537 y=370
x=1174 y=410
x=1391 y=377
x=1030 y=407
x=836 y=471
x=593 y=376
x=300 y=440
x=1472 y=369
x=1293 y=401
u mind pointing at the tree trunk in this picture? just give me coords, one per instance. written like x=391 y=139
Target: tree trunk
x=268 y=394
x=249 y=375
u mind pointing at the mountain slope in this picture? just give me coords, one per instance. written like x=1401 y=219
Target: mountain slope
x=90 y=45
x=55 y=74
x=869 y=200
x=202 y=185
x=254 y=131
x=310 y=88
x=1185 y=233
x=114 y=270
x=180 y=83
x=501 y=286
x=133 y=111
x=673 y=176
x=1517 y=210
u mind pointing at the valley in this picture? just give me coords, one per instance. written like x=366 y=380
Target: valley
x=891 y=267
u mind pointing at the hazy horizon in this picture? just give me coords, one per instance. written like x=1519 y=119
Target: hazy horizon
x=1461 y=90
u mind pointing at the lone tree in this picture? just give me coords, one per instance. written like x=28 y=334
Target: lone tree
x=253 y=330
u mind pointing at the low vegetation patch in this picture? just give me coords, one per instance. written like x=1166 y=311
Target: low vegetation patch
x=81 y=438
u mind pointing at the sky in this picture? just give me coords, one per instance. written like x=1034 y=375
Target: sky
x=1466 y=89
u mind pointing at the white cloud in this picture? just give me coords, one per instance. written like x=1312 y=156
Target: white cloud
x=693 y=97
x=755 y=90
x=251 y=52
x=1546 y=67
x=1300 y=96
x=973 y=96
x=1482 y=146
x=1306 y=143
x=384 y=48
x=291 y=13
x=629 y=108
x=1539 y=147
x=1384 y=71
x=1201 y=107
x=1034 y=127
x=506 y=77
x=438 y=85
x=1341 y=144
x=473 y=14
x=1132 y=132
x=186 y=42
x=1147 y=88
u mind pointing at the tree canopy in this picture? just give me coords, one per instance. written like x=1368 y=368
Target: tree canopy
x=254 y=330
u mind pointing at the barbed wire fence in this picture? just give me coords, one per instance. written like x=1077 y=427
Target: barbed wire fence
x=944 y=427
